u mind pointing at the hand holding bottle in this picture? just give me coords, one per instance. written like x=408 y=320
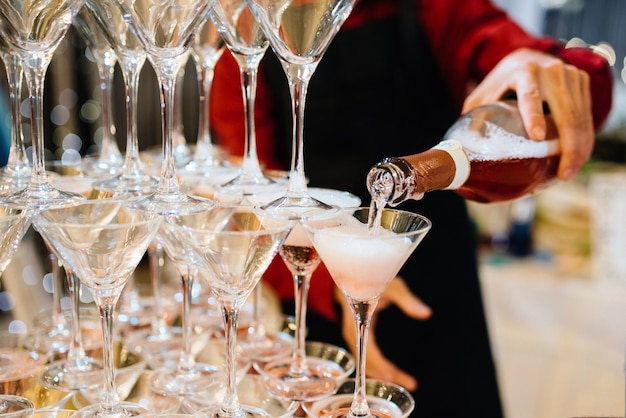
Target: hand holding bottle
x=486 y=156
x=537 y=78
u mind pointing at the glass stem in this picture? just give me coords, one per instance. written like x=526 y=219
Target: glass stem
x=35 y=77
x=109 y=398
x=109 y=151
x=17 y=163
x=155 y=260
x=256 y=330
x=363 y=312
x=168 y=182
x=186 y=363
x=298 y=77
x=179 y=142
x=204 y=145
x=230 y=404
x=76 y=354
x=250 y=167
x=58 y=319
x=298 y=365
x=132 y=70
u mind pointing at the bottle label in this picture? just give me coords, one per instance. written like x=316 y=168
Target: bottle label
x=461 y=161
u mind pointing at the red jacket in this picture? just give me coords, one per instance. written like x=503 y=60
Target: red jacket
x=468 y=37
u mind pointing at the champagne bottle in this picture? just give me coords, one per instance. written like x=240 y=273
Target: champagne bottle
x=486 y=156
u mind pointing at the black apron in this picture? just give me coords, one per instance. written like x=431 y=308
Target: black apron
x=377 y=93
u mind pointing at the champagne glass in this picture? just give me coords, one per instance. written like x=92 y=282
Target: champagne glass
x=300 y=378
x=132 y=179
x=247 y=43
x=109 y=160
x=32 y=33
x=188 y=377
x=102 y=241
x=165 y=30
x=363 y=250
x=299 y=33
x=232 y=243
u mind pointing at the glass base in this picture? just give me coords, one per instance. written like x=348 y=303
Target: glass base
x=255 y=193
x=102 y=166
x=209 y=162
x=196 y=181
x=173 y=203
x=141 y=394
x=42 y=195
x=48 y=339
x=246 y=411
x=318 y=381
x=264 y=348
x=51 y=334
x=174 y=383
x=123 y=184
x=126 y=409
x=61 y=375
x=250 y=393
x=162 y=349
x=12 y=180
x=298 y=207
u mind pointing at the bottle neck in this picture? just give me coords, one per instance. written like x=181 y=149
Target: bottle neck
x=398 y=179
x=392 y=180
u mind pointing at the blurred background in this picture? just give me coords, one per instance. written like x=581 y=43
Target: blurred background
x=553 y=265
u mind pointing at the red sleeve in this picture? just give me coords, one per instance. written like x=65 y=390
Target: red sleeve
x=470 y=37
